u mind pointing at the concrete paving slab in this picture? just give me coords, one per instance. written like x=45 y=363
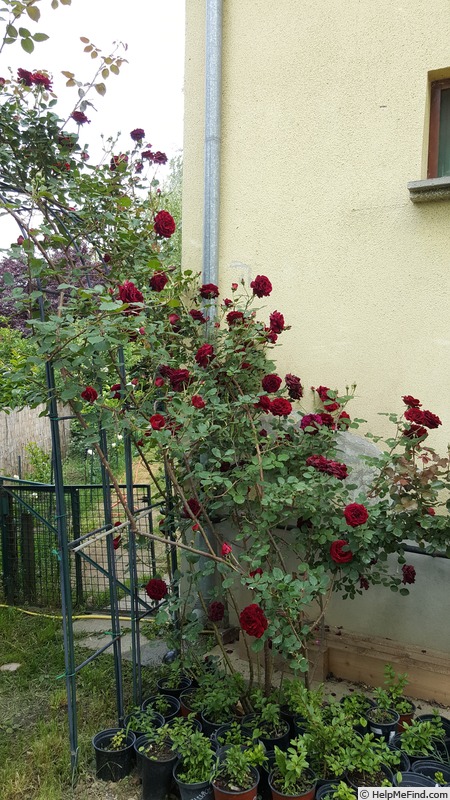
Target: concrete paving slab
x=91 y=625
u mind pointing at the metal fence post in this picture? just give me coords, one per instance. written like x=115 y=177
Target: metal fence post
x=76 y=529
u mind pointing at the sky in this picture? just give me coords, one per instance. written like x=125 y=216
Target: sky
x=147 y=94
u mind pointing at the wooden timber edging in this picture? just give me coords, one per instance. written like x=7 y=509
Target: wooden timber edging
x=362 y=659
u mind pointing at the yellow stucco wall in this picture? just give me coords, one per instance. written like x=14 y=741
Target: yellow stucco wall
x=324 y=123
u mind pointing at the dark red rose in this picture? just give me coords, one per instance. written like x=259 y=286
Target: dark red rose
x=139 y=166
x=25 y=77
x=194 y=506
x=197 y=401
x=355 y=514
x=159 y=157
x=41 y=79
x=196 y=527
x=226 y=549
x=227 y=302
x=20 y=240
x=271 y=383
x=164 y=224
x=137 y=134
x=233 y=317
x=257 y=571
x=89 y=394
x=261 y=286
x=430 y=420
x=415 y=432
x=204 y=355
x=263 y=403
x=337 y=552
x=129 y=293
x=118 y=161
x=343 y=420
x=363 y=582
x=409 y=573
x=79 y=117
x=117 y=541
x=2 y=81
x=430 y=511
x=147 y=154
x=246 y=365
x=85 y=155
x=322 y=391
x=157 y=421
x=174 y=320
x=414 y=415
x=323 y=464
x=410 y=401
x=159 y=382
x=311 y=421
x=276 y=322
x=197 y=315
x=263 y=433
x=280 y=407
x=115 y=388
x=327 y=420
x=294 y=387
x=106 y=258
x=135 y=381
x=209 y=290
x=158 y=281
x=234 y=286
x=216 y=611
x=253 y=620
x=156 y=589
x=179 y=379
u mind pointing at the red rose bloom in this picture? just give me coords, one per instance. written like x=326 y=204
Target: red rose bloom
x=216 y=611
x=271 y=335
x=254 y=572
x=24 y=77
x=294 y=386
x=159 y=157
x=179 y=379
x=194 y=507
x=137 y=134
x=322 y=464
x=280 y=407
x=173 y=321
x=234 y=286
x=157 y=421
x=311 y=421
x=276 y=322
x=204 y=355
x=363 y=582
x=253 y=620
x=118 y=161
x=431 y=511
x=261 y=286
x=79 y=117
x=430 y=420
x=355 y=514
x=198 y=401
x=234 y=317
x=226 y=549
x=271 y=383
x=41 y=79
x=322 y=391
x=409 y=573
x=158 y=281
x=164 y=223
x=117 y=541
x=415 y=432
x=129 y=293
x=343 y=420
x=159 y=382
x=263 y=403
x=327 y=420
x=156 y=589
x=410 y=401
x=115 y=388
x=209 y=290
x=227 y=302
x=337 y=552
x=197 y=315
x=89 y=394
x=414 y=415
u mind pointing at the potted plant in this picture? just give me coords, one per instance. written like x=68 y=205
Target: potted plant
x=174 y=682
x=382 y=719
x=394 y=687
x=158 y=756
x=436 y=770
x=234 y=733
x=165 y=705
x=336 y=791
x=325 y=741
x=144 y=721
x=291 y=776
x=266 y=724
x=368 y=761
x=193 y=772
x=113 y=753
x=423 y=740
x=219 y=703
x=356 y=706
x=299 y=705
x=235 y=774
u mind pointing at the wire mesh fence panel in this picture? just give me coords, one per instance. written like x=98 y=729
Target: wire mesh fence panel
x=29 y=547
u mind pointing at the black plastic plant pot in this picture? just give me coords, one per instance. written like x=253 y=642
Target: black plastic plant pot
x=404 y=764
x=386 y=729
x=164 y=686
x=289 y=717
x=269 y=742
x=172 y=702
x=396 y=744
x=429 y=769
x=185 y=698
x=430 y=717
x=306 y=795
x=157 y=722
x=383 y=768
x=325 y=788
x=156 y=775
x=193 y=791
x=300 y=725
x=113 y=765
x=414 y=779
x=218 y=732
x=264 y=771
x=209 y=727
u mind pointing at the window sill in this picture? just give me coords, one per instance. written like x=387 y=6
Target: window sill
x=430 y=190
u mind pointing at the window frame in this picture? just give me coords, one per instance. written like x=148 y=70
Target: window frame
x=436 y=88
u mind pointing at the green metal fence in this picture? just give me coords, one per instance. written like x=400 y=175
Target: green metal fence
x=29 y=555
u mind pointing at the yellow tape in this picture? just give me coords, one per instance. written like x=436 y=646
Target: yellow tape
x=75 y=616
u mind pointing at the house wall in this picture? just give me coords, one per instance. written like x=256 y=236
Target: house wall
x=324 y=122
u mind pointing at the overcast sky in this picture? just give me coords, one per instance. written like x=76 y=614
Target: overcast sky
x=147 y=94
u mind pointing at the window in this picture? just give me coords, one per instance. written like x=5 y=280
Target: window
x=439 y=139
